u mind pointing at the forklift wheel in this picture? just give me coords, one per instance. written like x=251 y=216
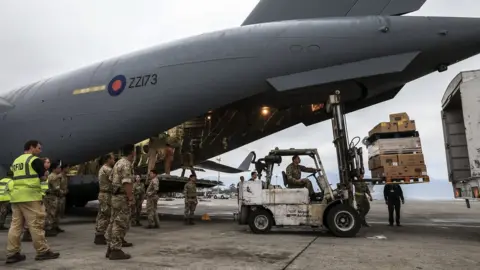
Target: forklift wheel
x=260 y=221
x=343 y=221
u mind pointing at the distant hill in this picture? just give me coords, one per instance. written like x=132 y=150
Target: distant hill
x=435 y=190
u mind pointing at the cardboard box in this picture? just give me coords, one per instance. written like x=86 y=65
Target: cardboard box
x=371 y=164
x=411 y=159
x=398 y=172
x=406 y=126
x=383 y=127
x=397 y=117
x=410 y=145
x=382 y=161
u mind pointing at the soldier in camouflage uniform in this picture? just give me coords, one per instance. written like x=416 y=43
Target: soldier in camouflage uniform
x=5 y=185
x=51 y=199
x=104 y=199
x=190 y=193
x=139 y=195
x=64 y=191
x=152 y=200
x=122 y=201
x=294 y=173
x=363 y=205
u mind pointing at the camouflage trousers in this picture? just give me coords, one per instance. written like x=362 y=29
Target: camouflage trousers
x=51 y=206
x=137 y=209
x=306 y=183
x=152 y=203
x=190 y=206
x=3 y=212
x=119 y=222
x=61 y=206
x=363 y=206
x=103 y=214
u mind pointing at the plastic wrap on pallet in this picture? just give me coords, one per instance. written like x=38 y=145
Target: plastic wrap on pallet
x=395 y=146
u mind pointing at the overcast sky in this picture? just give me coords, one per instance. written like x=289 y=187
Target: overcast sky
x=40 y=39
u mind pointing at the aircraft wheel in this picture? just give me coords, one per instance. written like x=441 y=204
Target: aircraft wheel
x=260 y=221
x=343 y=221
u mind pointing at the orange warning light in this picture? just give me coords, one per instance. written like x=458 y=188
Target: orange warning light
x=316 y=107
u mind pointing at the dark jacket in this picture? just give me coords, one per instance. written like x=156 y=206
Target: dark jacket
x=395 y=195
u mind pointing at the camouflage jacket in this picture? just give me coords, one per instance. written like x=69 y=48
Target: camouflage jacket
x=361 y=188
x=54 y=182
x=64 y=185
x=153 y=188
x=294 y=172
x=138 y=189
x=190 y=190
x=104 y=179
x=122 y=173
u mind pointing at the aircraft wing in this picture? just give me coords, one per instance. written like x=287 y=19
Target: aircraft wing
x=281 y=10
x=214 y=166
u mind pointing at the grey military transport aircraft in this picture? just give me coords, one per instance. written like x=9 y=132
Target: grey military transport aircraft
x=218 y=91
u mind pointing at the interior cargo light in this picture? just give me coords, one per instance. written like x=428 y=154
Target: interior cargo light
x=265 y=111
x=209 y=117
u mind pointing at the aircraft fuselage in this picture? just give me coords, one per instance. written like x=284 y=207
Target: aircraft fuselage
x=91 y=111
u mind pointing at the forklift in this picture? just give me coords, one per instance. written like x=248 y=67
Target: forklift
x=262 y=206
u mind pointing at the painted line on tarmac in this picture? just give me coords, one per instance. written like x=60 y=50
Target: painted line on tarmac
x=431 y=224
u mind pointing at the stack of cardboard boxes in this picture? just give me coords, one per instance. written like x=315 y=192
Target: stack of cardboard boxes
x=396 y=151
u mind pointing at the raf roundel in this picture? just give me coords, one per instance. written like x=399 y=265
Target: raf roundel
x=117 y=85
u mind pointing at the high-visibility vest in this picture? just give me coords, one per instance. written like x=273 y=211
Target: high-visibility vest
x=6 y=184
x=27 y=186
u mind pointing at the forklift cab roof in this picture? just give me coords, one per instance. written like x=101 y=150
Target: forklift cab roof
x=292 y=152
x=275 y=156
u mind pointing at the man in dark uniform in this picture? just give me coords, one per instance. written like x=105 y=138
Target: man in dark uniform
x=393 y=194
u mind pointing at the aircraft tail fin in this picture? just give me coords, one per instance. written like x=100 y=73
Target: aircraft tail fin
x=245 y=165
x=281 y=10
x=214 y=166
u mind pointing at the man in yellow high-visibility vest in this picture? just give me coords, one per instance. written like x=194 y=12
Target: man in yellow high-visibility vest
x=5 y=184
x=29 y=185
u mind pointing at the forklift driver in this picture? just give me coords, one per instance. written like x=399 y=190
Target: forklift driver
x=294 y=173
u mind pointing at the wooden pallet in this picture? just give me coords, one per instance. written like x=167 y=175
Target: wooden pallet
x=401 y=180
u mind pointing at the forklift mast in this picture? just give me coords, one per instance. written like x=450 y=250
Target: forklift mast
x=349 y=156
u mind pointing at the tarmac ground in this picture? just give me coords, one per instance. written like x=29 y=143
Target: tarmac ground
x=435 y=235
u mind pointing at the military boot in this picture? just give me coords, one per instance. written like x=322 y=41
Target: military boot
x=126 y=244
x=48 y=255
x=27 y=237
x=51 y=233
x=59 y=230
x=17 y=257
x=365 y=224
x=190 y=221
x=118 y=255
x=100 y=240
x=107 y=255
x=149 y=226
x=186 y=221
x=136 y=224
